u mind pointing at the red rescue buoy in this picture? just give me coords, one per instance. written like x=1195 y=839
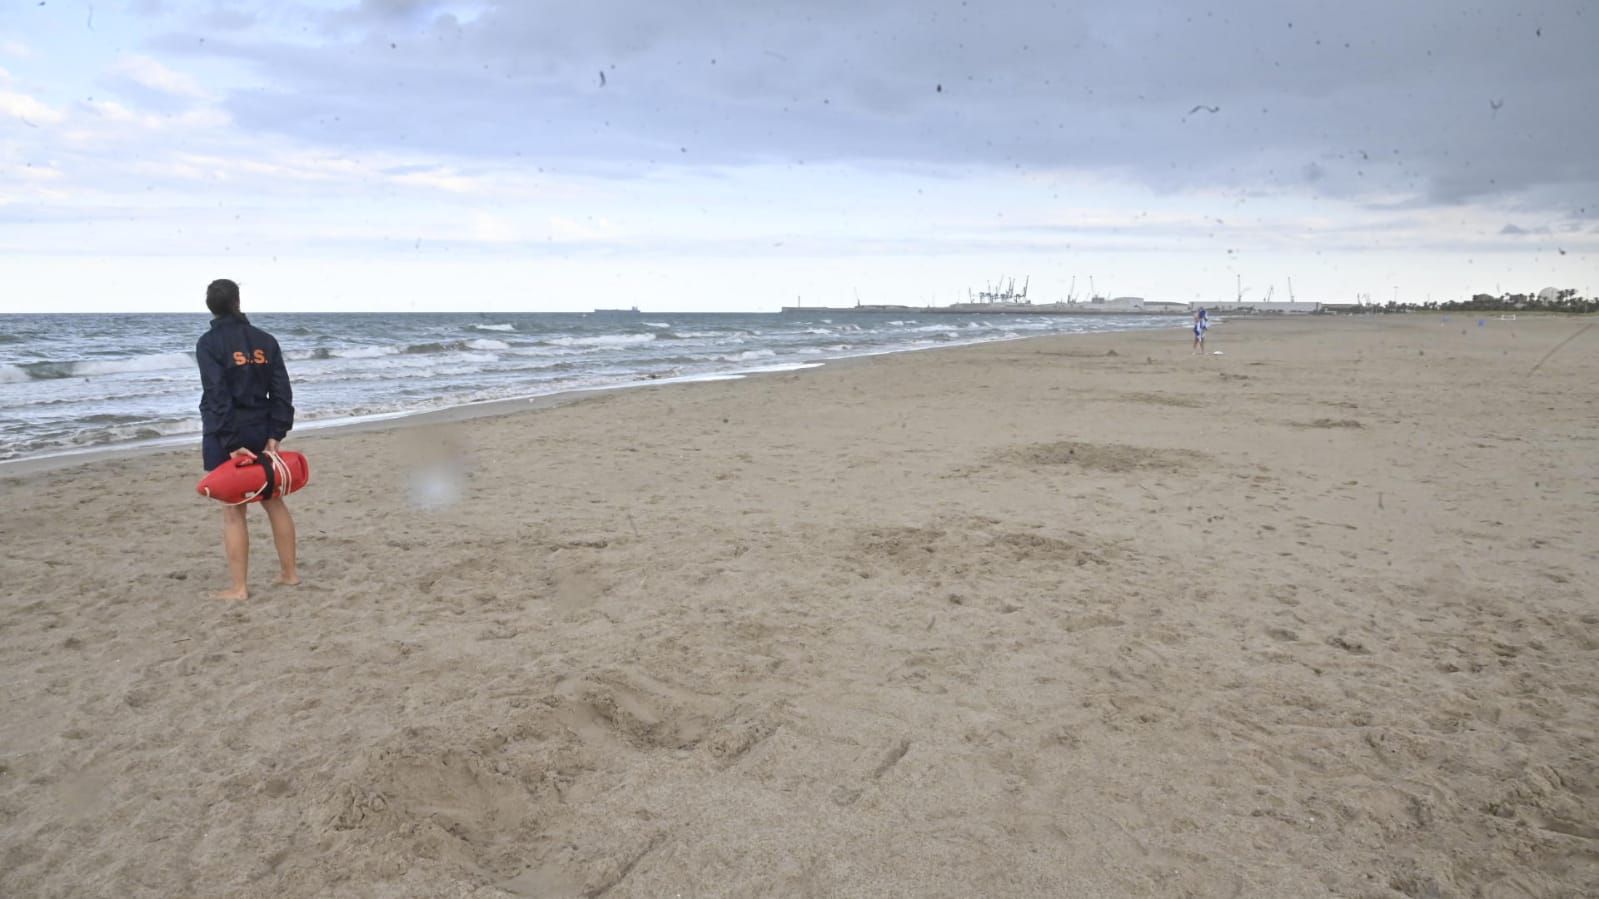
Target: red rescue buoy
x=239 y=481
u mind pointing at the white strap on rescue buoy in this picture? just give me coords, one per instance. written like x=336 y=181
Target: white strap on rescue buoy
x=282 y=474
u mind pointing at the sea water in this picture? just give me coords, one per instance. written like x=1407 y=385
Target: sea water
x=74 y=382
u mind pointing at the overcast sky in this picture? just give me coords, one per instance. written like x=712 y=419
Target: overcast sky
x=402 y=154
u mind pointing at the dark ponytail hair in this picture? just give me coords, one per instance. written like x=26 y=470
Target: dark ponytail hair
x=222 y=298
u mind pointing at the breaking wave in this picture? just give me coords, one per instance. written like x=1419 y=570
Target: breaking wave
x=88 y=368
x=604 y=340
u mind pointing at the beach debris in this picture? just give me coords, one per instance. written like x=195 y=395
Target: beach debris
x=1560 y=346
x=1347 y=645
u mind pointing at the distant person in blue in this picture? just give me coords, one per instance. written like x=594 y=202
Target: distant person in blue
x=246 y=407
x=1201 y=325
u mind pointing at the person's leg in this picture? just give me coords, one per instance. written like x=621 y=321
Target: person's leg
x=236 y=544
x=283 y=538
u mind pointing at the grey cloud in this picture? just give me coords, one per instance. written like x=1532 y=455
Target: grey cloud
x=228 y=19
x=383 y=10
x=1362 y=99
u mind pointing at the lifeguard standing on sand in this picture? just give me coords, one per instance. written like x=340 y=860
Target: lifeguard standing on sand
x=1201 y=325
x=246 y=407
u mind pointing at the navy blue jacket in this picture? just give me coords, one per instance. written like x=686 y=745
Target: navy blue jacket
x=244 y=381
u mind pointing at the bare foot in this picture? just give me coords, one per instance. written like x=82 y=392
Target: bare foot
x=234 y=595
x=288 y=580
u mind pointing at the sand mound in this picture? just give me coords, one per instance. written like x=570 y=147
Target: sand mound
x=1112 y=457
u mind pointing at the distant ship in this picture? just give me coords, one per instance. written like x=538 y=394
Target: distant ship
x=632 y=311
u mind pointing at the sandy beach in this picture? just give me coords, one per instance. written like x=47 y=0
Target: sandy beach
x=1072 y=616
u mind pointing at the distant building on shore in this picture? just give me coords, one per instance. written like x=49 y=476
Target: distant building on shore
x=1138 y=304
x=1262 y=307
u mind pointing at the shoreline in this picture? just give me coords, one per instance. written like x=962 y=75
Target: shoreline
x=27 y=466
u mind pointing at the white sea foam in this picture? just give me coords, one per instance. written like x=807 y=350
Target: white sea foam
x=750 y=354
x=781 y=366
x=701 y=378
x=543 y=350
x=657 y=324
x=501 y=327
x=156 y=362
x=481 y=344
x=604 y=340
x=365 y=352
x=11 y=374
x=151 y=429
